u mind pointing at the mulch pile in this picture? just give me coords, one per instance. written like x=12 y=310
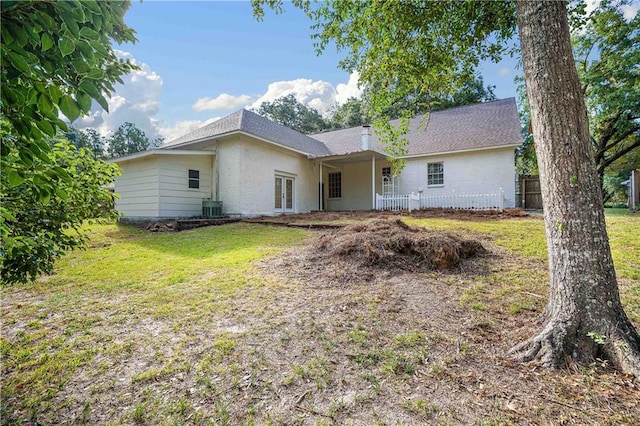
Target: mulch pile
x=389 y=245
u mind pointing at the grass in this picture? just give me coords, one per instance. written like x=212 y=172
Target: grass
x=525 y=238
x=156 y=284
x=183 y=328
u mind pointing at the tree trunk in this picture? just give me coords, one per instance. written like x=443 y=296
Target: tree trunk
x=584 y=317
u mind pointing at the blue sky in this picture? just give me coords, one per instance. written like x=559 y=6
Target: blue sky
x=202 y=60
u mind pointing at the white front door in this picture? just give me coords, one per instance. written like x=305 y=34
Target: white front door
x=284 y=202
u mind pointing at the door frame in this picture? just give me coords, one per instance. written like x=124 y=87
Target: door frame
x=284 y=179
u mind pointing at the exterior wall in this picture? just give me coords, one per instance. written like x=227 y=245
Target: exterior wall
x=138 y=190
x=356 y=185
x=176 y=198
x=478 y=172
x=247 y=170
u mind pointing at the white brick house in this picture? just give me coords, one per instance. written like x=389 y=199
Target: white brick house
x=254 y=166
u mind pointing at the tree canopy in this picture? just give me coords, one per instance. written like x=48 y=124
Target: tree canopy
x=290 y=112
x=57 y=58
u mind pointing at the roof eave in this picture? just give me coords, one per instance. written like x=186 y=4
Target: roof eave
x=458 y=151
x=156 y=152
x=239 y=132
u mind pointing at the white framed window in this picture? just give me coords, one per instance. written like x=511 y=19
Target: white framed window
x=435 y=174
x=194 y=179
x=335 y=185
x=386 y=172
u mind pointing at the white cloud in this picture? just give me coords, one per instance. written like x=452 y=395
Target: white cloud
x=223 y=101
x=319 y=94
x=184 y=127
x=504 y=72
x=350 y=90
x=136 y=101
x=629 y=11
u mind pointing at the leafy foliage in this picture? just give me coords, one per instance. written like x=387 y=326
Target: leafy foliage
x=607 y=49
x=288 y=111
x=404 y=50
x=90 y=139
x=128 y=139
x=39 y=227
x=56 y=59
x=607 y=54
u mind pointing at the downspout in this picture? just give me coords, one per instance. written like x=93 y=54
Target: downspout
x=373 y=182
x=320 y=191
x=217 y=173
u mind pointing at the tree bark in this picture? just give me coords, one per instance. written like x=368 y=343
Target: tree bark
x=584 y=317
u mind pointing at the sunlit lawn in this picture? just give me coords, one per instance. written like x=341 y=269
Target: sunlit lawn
x=131 y=291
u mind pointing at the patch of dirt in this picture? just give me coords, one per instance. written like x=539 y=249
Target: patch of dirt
x=455 y=214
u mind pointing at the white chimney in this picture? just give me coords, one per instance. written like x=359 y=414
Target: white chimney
x=366 y=146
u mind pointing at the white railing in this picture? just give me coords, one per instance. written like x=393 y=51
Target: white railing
x=413 y=201
x=392 y=202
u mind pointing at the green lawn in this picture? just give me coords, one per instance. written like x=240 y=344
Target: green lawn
x=117 y=333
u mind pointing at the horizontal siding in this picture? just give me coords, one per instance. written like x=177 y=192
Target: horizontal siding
x=176 y=198
x=137 y=188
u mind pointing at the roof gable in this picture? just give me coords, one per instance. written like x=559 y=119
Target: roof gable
x=256 y=125
x=480 y=126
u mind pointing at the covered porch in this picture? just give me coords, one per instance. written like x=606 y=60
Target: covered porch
x=352 y=181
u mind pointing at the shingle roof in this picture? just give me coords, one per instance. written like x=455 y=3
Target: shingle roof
x=254 y=124
x=485 y=125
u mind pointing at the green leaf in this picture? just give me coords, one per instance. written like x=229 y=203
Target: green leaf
x=66 y=46
x=14 y=178
x=95 y=74
x=69 y=107
x=62 y=194
x=90 y=88
x=19 y=62
x=45 y=197
x=84 y=101
x=47 y=42
x=46 y=127
x=89 y=33
x=44 y=104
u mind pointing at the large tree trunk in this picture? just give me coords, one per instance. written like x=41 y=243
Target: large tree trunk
x=584 y=306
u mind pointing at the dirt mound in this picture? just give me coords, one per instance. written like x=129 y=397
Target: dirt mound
x=390 y=244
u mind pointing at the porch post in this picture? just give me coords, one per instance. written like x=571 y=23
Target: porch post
x=373 y=182
x=320 y=194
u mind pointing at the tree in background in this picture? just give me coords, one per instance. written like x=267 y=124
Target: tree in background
x=607 y=49
x=289 y=112
x=353 y=113
x=56 y=58
x=356 y=112
x=89 y=139
x=432 y=46
x=127 y=139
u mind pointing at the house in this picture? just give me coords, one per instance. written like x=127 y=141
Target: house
x=246 y=165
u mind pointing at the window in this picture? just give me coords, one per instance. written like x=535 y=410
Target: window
x=335 y=185
x=435 y=174
x=194 y=179
x=386 y=172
